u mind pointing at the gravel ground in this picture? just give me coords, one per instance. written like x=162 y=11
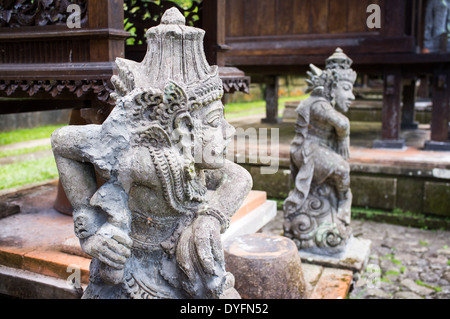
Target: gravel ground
x=405 y=262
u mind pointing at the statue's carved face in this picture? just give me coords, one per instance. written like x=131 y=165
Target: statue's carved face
x=343 y=95
x=212 y=133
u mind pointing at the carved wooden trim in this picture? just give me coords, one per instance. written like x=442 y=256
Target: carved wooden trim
x=236 y=84
x=80 y=88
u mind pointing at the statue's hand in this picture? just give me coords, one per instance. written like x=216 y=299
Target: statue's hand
x=110 y=244
x=208 y=245
x=343 y=146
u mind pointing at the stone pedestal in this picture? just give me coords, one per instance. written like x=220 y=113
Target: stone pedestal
x=265 y=267
x=354 y=257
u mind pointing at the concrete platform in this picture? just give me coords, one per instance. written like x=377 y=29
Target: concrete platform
x=407 y=180
x=41 y=258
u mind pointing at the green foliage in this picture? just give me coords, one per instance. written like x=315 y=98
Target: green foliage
x=128 y=26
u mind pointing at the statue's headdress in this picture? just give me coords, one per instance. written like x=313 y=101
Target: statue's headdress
x=337 y=68
x=174 y=76
x=159 y=95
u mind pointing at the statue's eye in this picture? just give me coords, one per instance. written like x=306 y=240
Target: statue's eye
x=214 y=121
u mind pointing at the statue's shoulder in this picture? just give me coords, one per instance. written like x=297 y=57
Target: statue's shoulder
x=313 y=101
x=139 y=166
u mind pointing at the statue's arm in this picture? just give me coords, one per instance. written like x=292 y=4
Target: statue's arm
x=76 y=174
x=98 y=227
x=228 y=187
x=340 y=122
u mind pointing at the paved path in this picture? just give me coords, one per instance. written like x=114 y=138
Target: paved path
x=26 y=156
x=405 y=263
x=26 y=144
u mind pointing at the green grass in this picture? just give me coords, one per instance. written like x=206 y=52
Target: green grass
x=421 y=283
x=27 y=172
x=423 y=243
x=25 y=150
x=27 y=134
x=234 y=110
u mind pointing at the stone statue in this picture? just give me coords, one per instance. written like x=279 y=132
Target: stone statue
x=437 y=25
x=317 y=211
x=167 y=192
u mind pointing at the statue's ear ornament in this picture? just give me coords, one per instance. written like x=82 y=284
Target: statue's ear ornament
x=318 y=91
x=148 y=100
x=174 y=96
x=156 y=136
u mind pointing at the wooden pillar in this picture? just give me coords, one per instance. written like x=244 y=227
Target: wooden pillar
x=409 y=106
x=213 y=22
x=271 y=98
x=391 y=111
x=423 y=91
x=107 y=16
x=440 y=112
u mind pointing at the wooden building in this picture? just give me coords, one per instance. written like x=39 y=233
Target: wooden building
x=46 y=65
x=268 y=38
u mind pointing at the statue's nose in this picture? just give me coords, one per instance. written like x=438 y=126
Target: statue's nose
x=229 y=130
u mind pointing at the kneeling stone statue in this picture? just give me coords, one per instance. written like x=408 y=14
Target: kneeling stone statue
x=154 y=226
x=317 y=211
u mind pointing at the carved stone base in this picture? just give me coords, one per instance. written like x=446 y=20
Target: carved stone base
x=437 y=146
x=276 y=120
x=354 y=257
x=391 y=144
x=410 y=126
x=320 y=225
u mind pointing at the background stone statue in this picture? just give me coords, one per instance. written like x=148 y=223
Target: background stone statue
x=153 y=227
x=437 y=25
x=317 y=211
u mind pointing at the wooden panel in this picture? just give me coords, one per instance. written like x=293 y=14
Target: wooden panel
x=357 y=15
x=235 y=18
x=284 y=16
x=302 y=9
x=56 y=51
x=265 y=17
x=394 y=18
x=251 y=13
x=337 y=19
x=319 y=16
